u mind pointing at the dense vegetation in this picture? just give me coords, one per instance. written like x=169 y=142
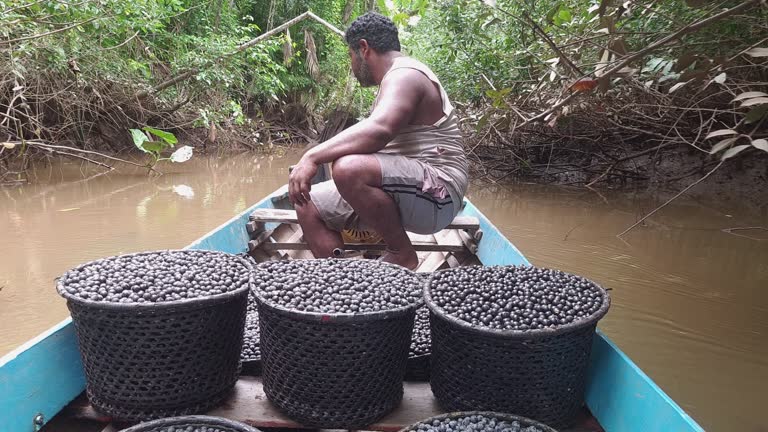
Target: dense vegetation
x=570 y=91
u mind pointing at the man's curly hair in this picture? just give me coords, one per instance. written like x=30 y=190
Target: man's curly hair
x=378 y=30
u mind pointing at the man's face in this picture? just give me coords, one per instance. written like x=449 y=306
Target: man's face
x=360 y=68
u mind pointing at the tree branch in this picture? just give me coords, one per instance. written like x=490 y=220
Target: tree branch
x=37 y=36
x=690 y=28
x=672 y=199
x=192 y=72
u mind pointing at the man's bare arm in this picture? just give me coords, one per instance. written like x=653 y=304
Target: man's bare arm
x=399 y=96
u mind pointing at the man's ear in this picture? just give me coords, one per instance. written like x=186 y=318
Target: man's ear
x=363 y=47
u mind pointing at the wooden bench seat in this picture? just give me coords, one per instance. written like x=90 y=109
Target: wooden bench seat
x=289 y=216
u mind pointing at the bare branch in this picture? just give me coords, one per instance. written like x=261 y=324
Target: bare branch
x=672 y=199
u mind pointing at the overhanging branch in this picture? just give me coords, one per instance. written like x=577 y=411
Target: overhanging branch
x=192 y=72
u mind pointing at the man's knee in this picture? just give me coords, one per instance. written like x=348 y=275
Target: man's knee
x=356 y=170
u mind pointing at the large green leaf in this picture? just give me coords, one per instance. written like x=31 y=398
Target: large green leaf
x=153 y=146
x=139 y=138
x=163 y=135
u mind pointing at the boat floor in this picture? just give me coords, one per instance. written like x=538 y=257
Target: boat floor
x=248 y=404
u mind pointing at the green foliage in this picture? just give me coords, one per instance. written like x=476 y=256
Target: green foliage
x=144 y=140
x=140 y=43
x=466 y=39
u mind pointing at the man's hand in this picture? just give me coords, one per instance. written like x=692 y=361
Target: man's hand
x=300 y=181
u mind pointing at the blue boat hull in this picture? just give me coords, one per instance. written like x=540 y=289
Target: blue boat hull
x=46 y=373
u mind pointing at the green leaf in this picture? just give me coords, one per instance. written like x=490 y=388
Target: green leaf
x=749 y=95
x=163 y=135
x=757 y=52
x=754 y=115
x=401 y=18
x=382 y=4
x=762 y=144
x=565 y=15
x=755 y=101
x=138 y=139
x=734 y=151
x=720 y=132
x=153 y=146
x=722 y=144
x=483 y=121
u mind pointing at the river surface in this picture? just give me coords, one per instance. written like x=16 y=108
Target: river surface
x=690 y=301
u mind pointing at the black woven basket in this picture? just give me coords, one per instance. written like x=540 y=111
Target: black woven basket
x=152 y=360
x=175 y=424
x=540 y=374
x=334 y=370
x=524 y=422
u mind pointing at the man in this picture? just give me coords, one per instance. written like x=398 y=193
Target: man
x=402 y=168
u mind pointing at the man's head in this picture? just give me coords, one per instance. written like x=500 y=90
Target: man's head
x=369 y=36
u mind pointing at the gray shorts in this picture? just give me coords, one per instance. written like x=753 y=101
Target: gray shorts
x=409 y=182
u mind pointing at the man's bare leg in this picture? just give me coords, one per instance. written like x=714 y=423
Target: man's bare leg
x=358 y=179
x=321 y=239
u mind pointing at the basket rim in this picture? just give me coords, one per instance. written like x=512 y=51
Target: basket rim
x=355 y=317
x=191 y=420
x=517 y=334
x=199 y=301
x=525 y=421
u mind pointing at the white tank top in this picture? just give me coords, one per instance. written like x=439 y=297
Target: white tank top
x=438 y=146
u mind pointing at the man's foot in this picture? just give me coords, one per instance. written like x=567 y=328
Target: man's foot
x=407 y=259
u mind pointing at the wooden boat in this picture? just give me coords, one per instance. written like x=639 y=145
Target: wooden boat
x=44 y=377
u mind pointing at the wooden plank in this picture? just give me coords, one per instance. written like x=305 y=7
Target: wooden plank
x=429 y=247
x=258 y=240
x=453 y=262
x=468 y=240
x=298 y=236
x=254 y=227
x=432 y=262
x=289 y=216
x=274 y=215
x=260 y=256
x=281 y=234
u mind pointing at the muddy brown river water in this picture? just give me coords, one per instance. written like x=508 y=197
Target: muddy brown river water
x=690 y=301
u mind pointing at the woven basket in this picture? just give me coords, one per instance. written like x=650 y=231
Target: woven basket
x=334 y=370
x=145 y=361
x=524 y=422
x=175 y=424
x=540 y=374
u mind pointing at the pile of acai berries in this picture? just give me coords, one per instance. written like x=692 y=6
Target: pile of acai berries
x=156 y=277
x=473 y=423
x=195 y=428
x=515 y=297
x=421 y=341
x=335 y=286
x=251 y=350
